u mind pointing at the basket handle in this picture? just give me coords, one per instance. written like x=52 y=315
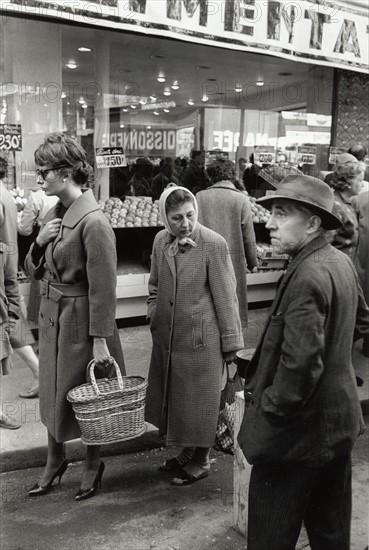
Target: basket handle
x=91 y=375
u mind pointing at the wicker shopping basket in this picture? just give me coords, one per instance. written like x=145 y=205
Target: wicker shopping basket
x=109 y=410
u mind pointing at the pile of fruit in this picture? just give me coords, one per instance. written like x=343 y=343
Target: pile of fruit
x=260 y=214
x=132 y=212
x=18 y=195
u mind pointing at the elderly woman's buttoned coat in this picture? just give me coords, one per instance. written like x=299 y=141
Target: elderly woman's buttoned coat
x=83 y=255
x=193 y=312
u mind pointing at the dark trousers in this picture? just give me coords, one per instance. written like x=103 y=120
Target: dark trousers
x=282 y=497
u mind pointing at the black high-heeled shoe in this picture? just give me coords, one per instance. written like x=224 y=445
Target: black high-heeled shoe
x=37 y=490
x=83 y=494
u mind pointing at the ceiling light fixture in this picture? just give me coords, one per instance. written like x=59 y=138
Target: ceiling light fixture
x=63 y=95
x=156 y=113
x=71 y=64
x=175 y=85
x=125 y=110
x=166 y=110
x=161 y=78
x=81 y=100
x=84 y=106
x=133 y=107
x=84 y=49
x=238 y=88
x=122 y=126
x=167 y=92
x=143 y=101
x=204 y=98
x=191 y=102
x=148 y=127
x=259 y=82
x=153 y=98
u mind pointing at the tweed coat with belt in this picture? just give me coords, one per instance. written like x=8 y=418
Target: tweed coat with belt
x=193 y=312
x=227 y=211
x=83 y=253
x=305 y=407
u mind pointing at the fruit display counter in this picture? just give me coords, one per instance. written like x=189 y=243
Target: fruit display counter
x=136 y=221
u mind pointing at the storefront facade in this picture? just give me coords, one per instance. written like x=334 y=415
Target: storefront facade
x=160 y=77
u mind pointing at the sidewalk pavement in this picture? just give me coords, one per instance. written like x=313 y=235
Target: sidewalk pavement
x=137 y=508
x=26 y=447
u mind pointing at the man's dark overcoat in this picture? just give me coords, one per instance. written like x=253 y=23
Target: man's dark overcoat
x=305 y=406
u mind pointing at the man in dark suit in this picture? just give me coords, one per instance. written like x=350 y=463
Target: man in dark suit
x=305 y=414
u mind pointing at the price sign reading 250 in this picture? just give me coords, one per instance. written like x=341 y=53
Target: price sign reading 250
x=10 y=137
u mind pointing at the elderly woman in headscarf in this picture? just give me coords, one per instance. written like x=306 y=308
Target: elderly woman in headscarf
x=195 y=326
x=346 y=181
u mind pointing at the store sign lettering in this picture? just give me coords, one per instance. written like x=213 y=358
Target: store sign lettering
x=302 y=29
x=144 y=141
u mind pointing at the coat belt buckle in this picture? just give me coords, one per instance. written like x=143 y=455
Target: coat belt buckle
x=44 y=287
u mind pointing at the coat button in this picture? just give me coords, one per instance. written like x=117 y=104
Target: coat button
x=51 y=322
x=171 y=302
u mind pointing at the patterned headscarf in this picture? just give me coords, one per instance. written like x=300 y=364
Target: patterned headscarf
x=173 y=249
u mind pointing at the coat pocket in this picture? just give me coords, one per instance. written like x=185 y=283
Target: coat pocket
x=197 y=331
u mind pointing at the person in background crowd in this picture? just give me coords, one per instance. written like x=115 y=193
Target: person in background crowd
x=195 y=327
x=305 y=415
x=179 y=168
x=194 y=177
x=346 y=182
x=165 y=177
x=358 y=151
x=75 y=255
x=29 y=224
x=360 y=204
x=140 y=182
x=250 y=177
x=20 y=337
x=9 y=313
x=227 y=211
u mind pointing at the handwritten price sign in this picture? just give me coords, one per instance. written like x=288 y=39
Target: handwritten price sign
x=10 y=137
x=110 y=157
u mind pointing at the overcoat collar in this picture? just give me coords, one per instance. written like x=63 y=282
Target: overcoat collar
x=168 y=241
x=79 y=208
x=224 y=184
x=82 y=206
x=319 y=251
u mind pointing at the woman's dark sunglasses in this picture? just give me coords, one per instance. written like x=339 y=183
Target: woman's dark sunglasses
x=43 y=172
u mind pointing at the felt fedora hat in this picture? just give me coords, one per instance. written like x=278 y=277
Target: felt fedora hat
x=310 y=192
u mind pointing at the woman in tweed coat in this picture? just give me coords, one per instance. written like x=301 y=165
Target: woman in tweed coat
x=74 y=254
x=195 y=325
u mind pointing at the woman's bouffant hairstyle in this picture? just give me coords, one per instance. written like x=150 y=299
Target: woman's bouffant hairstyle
x=345 y=174
x=221 y=170
x=177 y=198
x=62 y=151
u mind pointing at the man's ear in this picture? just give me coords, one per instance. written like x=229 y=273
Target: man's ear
x=314 y=224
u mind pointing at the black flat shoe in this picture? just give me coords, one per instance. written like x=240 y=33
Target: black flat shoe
x=84 y=494
x=37 y=490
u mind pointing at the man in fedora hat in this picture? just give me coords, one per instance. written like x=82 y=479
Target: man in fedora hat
x=305 y=415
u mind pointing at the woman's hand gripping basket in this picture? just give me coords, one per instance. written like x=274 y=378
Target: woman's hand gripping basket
x=109 y=410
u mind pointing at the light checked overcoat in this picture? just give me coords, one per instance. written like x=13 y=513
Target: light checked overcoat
x=193 y=312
